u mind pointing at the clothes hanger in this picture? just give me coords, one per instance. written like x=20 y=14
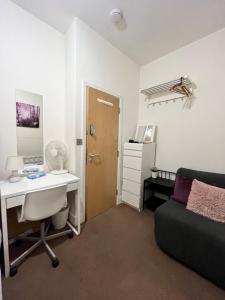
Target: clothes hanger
x=181 y=88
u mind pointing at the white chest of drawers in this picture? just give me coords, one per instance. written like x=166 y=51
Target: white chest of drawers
x=137 y=161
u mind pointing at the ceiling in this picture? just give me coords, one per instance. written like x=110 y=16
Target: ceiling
x=152 y=28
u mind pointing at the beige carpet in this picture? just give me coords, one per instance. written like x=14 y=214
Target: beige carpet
x=114 y=258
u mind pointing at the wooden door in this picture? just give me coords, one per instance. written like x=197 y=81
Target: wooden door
x=102 y=151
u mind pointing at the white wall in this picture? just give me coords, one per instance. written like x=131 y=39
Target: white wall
x=101 y=65
x=32 y=59
x=70 y=104
x=190 y=138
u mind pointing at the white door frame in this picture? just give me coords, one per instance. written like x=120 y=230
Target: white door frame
x=119 y=162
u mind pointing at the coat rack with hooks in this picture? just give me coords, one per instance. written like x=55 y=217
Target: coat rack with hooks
x=182 y=86
x=182 y=98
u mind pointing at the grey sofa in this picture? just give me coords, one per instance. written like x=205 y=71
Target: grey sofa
x=194 y=240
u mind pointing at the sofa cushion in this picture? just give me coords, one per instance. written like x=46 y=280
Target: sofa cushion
x=182 y=188
x=207 y=200
x=192 y=239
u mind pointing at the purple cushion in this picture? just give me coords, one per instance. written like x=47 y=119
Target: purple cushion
x=182 y=188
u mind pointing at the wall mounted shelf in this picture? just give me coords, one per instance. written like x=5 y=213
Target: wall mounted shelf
x=181 y=86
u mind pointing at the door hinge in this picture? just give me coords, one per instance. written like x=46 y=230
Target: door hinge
x=119 y=110
x=116 y=192
x=118 y=153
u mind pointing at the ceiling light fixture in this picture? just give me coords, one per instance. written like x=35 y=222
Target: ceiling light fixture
x=116 y=15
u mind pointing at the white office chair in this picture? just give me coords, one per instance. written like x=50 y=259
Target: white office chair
x=37 y=206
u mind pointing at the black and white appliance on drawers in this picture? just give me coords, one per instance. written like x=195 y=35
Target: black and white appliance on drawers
x=138 y=159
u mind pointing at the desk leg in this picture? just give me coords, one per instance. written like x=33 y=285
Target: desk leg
x=144 y=196
x=78 y=211
x=75 y=223
x=5 y=239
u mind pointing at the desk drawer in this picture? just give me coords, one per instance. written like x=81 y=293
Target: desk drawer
x=72 y=186
x=15 y=201
x=18 y=200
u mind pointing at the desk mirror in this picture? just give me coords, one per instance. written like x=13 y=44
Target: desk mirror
x=29 y=127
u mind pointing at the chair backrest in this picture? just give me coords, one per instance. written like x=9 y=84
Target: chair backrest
x=44 y=203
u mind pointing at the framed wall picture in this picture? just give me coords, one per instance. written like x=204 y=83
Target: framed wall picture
x=27 y=115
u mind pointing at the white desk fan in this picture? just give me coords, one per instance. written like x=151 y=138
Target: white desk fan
x=56 y=156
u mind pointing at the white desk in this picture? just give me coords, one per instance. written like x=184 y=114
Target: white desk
x=13 y=194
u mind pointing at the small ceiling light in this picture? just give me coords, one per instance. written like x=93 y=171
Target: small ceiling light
x=116 y=15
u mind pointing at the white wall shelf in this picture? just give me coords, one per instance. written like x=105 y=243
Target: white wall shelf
x=181 y=86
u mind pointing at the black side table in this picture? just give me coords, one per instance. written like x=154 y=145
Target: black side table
x=163 y=186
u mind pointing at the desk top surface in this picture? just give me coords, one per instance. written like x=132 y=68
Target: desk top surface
x=26 y=185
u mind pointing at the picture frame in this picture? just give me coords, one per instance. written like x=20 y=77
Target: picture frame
x=145 y=133
x=27 y=115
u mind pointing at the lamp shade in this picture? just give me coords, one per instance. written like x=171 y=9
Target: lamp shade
x=14 y=163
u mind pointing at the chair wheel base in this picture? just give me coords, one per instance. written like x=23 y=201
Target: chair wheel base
x=13 y=271
x=70 y=235
x=55 y=263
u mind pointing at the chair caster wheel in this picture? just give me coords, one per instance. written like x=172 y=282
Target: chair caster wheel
x=70 y=235
x=13 y=271
x=55 y=263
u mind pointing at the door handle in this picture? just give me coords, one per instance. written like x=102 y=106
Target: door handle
x=93 y=155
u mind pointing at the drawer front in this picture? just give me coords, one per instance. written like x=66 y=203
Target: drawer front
x=18 y=200
x=72 y=187
x=131 y=199
x=132 y=174
x=132 y=153
x=15 y=201
x=133 y=146
x=132 y=187
x=132 y=162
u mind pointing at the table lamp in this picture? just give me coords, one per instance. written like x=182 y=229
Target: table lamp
x=14 y=163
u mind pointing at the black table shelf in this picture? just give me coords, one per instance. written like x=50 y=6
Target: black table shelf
x=162 y=186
